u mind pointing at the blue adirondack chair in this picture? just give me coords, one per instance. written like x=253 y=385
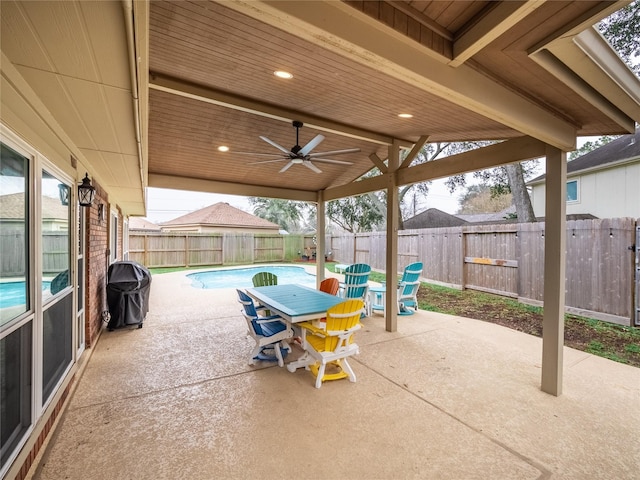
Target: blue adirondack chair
x=408 y=289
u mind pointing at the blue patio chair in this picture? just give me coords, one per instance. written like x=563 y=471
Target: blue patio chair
x=408 y=288
x=270 y=333
x=356 y=283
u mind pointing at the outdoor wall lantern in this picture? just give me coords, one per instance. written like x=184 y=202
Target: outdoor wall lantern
x=86 y=192
x=64 y=191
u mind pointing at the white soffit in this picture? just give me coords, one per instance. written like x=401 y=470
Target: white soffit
x=591 y=67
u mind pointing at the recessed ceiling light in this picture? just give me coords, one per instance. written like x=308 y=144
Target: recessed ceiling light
x=282 y=74
x=405 y=115
x=223 y=148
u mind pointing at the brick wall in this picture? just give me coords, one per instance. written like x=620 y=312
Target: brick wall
x=97 y=265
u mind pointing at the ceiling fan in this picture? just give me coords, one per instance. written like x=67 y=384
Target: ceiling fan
x=302 y=155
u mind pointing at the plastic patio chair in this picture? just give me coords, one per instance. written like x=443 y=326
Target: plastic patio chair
x=330 y=286
x=331 y=342
x=270 y=333
x=264 y=279
x=356 y=282
x=408 y=288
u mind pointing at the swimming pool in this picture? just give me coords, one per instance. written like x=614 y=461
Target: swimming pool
x=13 y=293
x=241 y=277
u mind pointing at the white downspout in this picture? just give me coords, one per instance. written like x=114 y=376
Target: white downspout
x=127 y=5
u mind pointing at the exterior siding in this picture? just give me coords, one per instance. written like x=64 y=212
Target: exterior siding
x=608 y=193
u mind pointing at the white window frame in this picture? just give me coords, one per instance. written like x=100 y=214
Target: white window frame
x=577 y=182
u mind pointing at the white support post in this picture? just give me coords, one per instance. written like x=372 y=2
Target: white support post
x=554 y=271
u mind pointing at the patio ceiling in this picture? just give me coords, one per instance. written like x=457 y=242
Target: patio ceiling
x=475 y=70
x=144 y=92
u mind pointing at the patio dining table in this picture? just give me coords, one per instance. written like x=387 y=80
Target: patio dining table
x=295 y=303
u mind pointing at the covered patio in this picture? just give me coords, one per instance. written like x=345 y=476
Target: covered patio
x=442 y=397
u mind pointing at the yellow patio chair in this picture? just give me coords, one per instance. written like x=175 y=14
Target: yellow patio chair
x=332 y=342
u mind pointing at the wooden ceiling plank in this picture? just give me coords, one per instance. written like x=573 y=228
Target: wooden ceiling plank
x=209 y=95
x=362 y=39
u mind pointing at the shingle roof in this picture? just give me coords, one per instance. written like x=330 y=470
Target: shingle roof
x=624 y=148
x=495 y=217
x=432 y=218
x=222 y=214
x=12 y=207
x=140 y=223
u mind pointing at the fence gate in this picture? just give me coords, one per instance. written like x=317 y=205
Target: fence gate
x=636 y=300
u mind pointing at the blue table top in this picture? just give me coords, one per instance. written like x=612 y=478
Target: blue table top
x=295 y=303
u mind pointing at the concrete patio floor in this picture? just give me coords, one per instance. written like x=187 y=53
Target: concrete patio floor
x=444 y=397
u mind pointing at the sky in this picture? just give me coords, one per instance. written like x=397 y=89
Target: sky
x=164 y=205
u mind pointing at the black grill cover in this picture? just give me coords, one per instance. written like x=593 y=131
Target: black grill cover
x=128 y=288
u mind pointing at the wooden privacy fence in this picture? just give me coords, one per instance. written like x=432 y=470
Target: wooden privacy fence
x=55 y=252
x=505 y=259
x=201 y=249
x=508 y=259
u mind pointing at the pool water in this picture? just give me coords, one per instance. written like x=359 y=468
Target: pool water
x=241 y=277
x=14 y=293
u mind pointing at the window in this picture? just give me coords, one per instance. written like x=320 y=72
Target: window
x=572 y=191
x=15 y=297
x=16 y=302
x=58 y=317
x=114 y=238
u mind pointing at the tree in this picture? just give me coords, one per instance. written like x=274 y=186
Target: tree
x=356 y=214
x=622 y=31
x=480 y=199
x=589 y=146
x=286 y=213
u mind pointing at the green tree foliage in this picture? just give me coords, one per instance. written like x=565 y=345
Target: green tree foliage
x=622 y=30
x=356 y=214
x=286 y=213
x=591 y=145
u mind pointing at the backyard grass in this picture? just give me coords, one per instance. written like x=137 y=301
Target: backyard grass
x=615 y=342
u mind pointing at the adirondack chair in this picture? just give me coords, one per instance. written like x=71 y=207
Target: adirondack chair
x=408 y=288
x=331 y=342
x=330 y=285
x=270 y=333
x=264 y=279
x=356 y=286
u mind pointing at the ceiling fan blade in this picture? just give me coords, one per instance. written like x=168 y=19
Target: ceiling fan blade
x=314 y=142
x=330 y=160
x=334 y=152
x=268 y=155
x=311 y=166
x=286 y=167
x=279 y=147
x=269 y=161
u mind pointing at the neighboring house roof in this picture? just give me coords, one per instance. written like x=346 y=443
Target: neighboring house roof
x=432 y=218
x=620 y=150
x=140 y=223
x=222 y=215
x=502 y=216
x=12 y=207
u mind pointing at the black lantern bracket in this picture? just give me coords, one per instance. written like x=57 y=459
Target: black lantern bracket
x=86 y=192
